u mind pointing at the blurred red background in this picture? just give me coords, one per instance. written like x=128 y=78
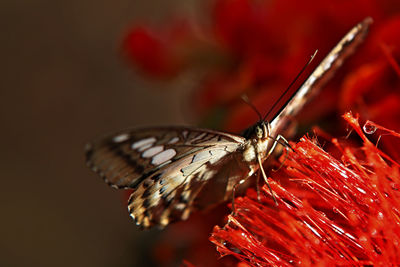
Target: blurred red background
x=64 y=83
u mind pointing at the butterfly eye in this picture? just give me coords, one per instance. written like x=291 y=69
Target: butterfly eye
x=259 y=132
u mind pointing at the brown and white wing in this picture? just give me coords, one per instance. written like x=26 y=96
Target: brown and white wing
x=321 y=75
x=165 y=167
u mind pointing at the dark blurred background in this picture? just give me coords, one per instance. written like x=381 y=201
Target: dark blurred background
x=63 y=83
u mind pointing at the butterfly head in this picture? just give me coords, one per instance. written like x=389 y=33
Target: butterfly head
x=259 y=131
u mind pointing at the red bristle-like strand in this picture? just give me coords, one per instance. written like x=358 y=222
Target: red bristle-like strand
x=330 y=212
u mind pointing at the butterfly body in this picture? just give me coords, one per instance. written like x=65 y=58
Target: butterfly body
x=176 y=170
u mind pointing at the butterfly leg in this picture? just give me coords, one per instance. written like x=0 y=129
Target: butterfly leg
x=286 y=145
x=237 y=184
x=258 y=186
x=233 y=199
x=233 y=195
x=266 y=179
x=283 y=143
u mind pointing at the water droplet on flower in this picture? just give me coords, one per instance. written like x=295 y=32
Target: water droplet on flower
x=369 y=128
x=373 y=232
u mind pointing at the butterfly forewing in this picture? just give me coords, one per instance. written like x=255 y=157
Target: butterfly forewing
x=321 y=75
x=166 y=167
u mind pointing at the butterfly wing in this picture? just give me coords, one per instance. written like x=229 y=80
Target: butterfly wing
x=165 y=167
x=321 y=75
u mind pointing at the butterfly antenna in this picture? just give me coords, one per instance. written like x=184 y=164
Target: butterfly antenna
x=290 y=85
x=246 y=99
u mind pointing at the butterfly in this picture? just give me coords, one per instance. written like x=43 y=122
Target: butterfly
x=176 y=170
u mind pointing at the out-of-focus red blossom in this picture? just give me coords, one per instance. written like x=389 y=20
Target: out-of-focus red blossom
x=377 y=75
x=160 y=53
x=255 y=47
x=331 y=212
x=270 y=41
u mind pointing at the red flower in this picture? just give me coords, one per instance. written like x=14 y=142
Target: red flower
x=257 y=47
x=331 y=212
x=160 y=54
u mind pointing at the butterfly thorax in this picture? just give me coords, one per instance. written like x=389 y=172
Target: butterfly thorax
x=258 y=142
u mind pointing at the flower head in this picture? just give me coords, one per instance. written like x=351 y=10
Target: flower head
x=330 y=211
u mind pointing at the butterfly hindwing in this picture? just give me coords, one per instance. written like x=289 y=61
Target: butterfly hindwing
x=169 y=194
x=166 y=168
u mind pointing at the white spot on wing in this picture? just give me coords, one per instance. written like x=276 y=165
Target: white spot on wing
x=185 y=133
x=173 y=140
x=217 y=154
x=164 y=219
x=201 y=156
x=143 y=142
x=152 y=151
x=180 y=206
x=194 y=167
x=199 y=137
x=121 y=138
x=163 y=156
x=144 y=147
